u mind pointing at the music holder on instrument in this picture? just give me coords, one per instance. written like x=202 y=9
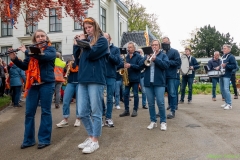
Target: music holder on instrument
x=185 y=65
x=35 y=50
x=147 y=50
x=123 y=50
x=83 y=44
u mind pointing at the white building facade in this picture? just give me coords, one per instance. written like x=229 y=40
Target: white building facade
x=111 y=15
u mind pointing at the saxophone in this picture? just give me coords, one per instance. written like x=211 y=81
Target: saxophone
x=124 y=73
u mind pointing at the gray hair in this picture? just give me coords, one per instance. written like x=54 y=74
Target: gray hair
x=134 y=44
x=228 y=46
x=159 y=43
x=216 y=52
x=166 y=38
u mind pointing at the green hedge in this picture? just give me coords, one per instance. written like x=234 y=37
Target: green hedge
x=205 y=88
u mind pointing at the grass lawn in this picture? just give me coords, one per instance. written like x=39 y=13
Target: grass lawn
x=4 y=101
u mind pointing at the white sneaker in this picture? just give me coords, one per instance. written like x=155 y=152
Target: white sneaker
x=90 y=148
x=77 y=123
x=152 y=125
x=109 y=123
x=163 y=126
x=227 y=107
x=224 y=105
x=63 y=123
x=85 y=143
x=118 y=107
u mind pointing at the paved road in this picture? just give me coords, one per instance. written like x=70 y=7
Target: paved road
x=201 y=130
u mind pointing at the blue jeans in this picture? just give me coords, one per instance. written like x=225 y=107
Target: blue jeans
x=172 y=96
x=90 y=107
x=143 y=91
x=215 y=80
x=44 y=93
x=118 y=86
x=69 y=91
x=177 y=86
x=17 y=90
x=224 y=87
x=58 y=86
x=134 y=85
x=186 y=81
x=110 y=94
x=155 y=92
x=103 y=105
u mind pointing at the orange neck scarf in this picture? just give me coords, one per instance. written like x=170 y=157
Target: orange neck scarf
x=33 y=73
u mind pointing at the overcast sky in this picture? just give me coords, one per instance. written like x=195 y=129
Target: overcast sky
x=177 y=18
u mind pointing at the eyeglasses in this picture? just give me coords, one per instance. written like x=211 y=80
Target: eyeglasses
x=42 y=36
x=154 y=45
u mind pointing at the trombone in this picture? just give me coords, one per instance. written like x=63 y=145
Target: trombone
x=148 y=61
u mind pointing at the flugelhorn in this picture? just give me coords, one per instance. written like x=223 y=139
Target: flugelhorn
x=148 y=61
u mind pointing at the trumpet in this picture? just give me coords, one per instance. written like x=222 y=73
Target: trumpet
x=68 y=69
x=148 y=61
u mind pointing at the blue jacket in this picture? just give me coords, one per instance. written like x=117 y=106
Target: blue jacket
x=92 y=62
x=195 y=65
x=212 y=63
x=174 y=61
x=236 y=69
x=112 y=61
x=46 y=63
x=161 y=65
x=231 y=65
x=16 y=76
x=134 y=72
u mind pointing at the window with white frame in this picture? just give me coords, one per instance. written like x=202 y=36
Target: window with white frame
x=77 y=26
x=58 y=46
x=103 y=19
x=3 y=50
x=55 y=24
x=6 y=28
x=30 y=20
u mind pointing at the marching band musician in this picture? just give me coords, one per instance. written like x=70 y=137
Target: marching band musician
x=188 y=78
x=214 y=64
x=144 y=98
x=71 y=89
x=171 y=75
x=133 y=61
x=91 y=81
x=112 y=62
x=155 y=83
x=229 y=64
x=39 y=86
